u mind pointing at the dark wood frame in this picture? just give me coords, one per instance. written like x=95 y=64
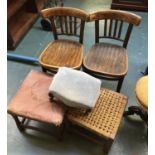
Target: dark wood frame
x=106 y=142
x=119 y=79
x=21 y=14
x=22 y=126
x=124 y=4
x=138 y=111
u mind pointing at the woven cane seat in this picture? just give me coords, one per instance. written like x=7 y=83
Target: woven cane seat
x=62 y=53
x=141 y=91
x=105 y=117
x=32 y=100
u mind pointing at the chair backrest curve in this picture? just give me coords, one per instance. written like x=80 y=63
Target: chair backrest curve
x=114 y=27
x=71 y=21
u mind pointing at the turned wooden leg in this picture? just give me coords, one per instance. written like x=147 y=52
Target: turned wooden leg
x=18 y=123
x=107 y=145
x=137 y=110
x=119 y=86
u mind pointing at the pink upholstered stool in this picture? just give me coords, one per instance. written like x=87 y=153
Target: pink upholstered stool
x=32 y=102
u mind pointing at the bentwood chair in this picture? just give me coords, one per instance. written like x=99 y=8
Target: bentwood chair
x=110 y=60
x=65 y=21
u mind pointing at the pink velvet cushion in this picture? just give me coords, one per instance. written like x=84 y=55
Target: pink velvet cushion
x=32 y=100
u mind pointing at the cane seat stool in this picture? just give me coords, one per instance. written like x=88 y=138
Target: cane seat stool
x=141 y=93
x=31 y=102
x=107 y=58
x=104 y=119
x=68 y=52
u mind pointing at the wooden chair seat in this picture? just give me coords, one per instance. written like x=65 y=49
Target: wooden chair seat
x=107 y=60
x=62 y=53
x=105 y=117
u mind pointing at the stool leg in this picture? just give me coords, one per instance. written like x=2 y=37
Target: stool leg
x=119 y=86
x=63 y=128
x=44 y=69
x=18 y=123
x=133 y=110
x=107 y=145
x=137 y=110
x=62 y=131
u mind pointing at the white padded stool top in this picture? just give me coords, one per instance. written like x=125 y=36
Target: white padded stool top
x=75 y=88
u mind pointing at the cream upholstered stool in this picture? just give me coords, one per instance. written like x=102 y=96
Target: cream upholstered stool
x=31 y=102
x=141 y=92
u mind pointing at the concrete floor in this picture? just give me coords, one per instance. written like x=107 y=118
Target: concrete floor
x=132 y=135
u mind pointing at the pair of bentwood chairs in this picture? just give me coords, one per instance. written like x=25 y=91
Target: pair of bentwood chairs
x=103 y=60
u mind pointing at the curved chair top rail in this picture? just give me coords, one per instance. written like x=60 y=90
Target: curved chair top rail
x=116 y=14
x=65 y=11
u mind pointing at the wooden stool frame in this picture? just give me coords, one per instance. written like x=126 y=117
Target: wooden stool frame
x=22 y=126
x=102 y=121
x=106 y=142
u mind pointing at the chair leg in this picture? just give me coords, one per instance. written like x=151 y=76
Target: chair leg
x=107 y=145
x=44 y=69
x=18 y=123
x=119 y=86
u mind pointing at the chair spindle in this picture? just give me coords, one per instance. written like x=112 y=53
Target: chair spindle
x=120 y=29
x=115 y=29
x=105 y=27
x=75 y=25
x=70 y=21
x=110 y=27
x=66 y=24
x=61 y=24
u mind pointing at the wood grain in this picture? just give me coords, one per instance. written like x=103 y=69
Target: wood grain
x=62 y=53
x=65 y=11
x=117 y=15
x=107 y=59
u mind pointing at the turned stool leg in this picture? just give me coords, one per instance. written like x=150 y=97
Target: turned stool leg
x=137 y=110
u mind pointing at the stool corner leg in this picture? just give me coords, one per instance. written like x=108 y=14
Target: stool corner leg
x=18 y=123
x=107 y=146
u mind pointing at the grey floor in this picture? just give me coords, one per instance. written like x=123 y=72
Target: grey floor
x=132 y=134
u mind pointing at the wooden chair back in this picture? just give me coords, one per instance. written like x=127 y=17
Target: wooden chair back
x=71 y=21
x=114 y=27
